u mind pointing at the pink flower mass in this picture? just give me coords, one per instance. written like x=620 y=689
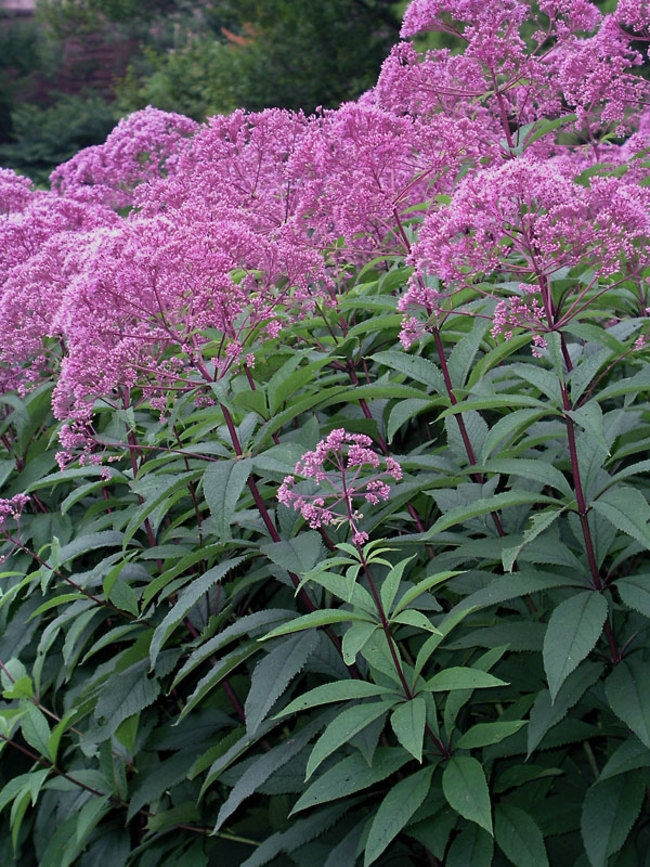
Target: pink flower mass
x=170 y=253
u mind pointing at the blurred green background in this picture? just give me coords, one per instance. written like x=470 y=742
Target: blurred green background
x=68 y=72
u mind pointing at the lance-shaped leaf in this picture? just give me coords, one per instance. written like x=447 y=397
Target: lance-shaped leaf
x=274 y=673
x=609 y=810
x=466 y=790
x=395 y=811
x=628 y=696
x=223 y=483
x=459 y=677
x=519 y=837
x=342 y=728
x=408 y=721
x=573 y=629
x=351 y=775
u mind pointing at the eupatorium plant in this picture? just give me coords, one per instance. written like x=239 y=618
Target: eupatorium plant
x=325 y=508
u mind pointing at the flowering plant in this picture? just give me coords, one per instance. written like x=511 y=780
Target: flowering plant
x=326 y=500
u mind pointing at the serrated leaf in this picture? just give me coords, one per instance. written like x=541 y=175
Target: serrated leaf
x=527 y=468
x=249 y=624
x=466 y=791
x=628 y=510
x=36 y=730
x=124 y=694
x=350 y=775
x=274 y=673
x=459 y=677
x=413 y=617
x=484 y=734
x=423 y=587
x=539 y=522
x=473 y=847
x=187 y=599
x=341 y=690
x=483 y=506
x=259 y=771
x=414 y=366
x=298 y=555
x=573 y=630
x=342 y=728
x=408 y=721
x=628 y=696
x=609 y=810
x=635 y=592
x=391 y=583
x=546 y=713
x=223 y=483
x=406 y=410
x=590 y=418
x=299 y=833
x=217 y=673
x=324 y=617
x=519 y=837
x=631 y=755
x=394 y=812
x=354 y=640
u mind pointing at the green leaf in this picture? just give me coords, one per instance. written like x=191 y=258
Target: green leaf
x=609 y=810
x=628 y=510
x=504 y=587
x=394 y=812
x=629 y=697
x=473 y=847
x=483 y=506
x=36 y=730
x=392 y=581
x=406 y=410
x=423 y=587
x=249 y=624
x=273 y=674
x=223 y=483
x=124 y=694
x=350 y=775
x=590 y=418
x=298 y=555
x=355 y=639
x=299 y=833
x=635 y=592
x=342 y=728
x=123 y=597
x=413 y=617
x=324 y=617
x=484 y=734
x=414 y=366
x=340 y=690
x=573 y=630
x=408 y=721
x=257 y=773
x=539 y=522
x=527 y=468
x=187 y=599
x=459 y=677
x=519 y=837
x=466 y=791
x=629 y=756
x=216 y=674
x=546 y=713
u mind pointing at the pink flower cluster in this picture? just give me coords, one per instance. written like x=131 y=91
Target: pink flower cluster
x=339 y=465
x=12 y=508
x=173 y=235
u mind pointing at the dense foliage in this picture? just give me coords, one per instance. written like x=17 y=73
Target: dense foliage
x=324 y=460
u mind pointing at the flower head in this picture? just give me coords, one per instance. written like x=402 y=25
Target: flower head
x=340 y=464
